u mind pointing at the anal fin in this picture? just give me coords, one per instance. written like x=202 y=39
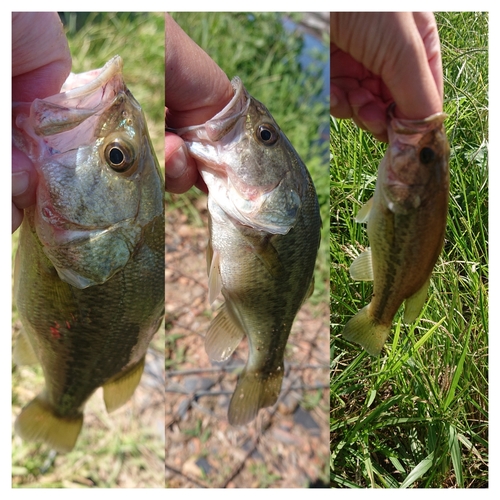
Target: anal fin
x=118 y=391
x=414 y=304
x=310 y=290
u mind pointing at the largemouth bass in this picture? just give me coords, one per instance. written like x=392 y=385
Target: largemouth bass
x=89 y=277
x=406 y=225
x=264 y=237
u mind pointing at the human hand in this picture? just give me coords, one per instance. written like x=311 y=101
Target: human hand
x=196 y=89
x=41 y=62
x=377 y=58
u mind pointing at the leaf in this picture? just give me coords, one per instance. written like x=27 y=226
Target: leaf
x=456 y=455
x=418 y=471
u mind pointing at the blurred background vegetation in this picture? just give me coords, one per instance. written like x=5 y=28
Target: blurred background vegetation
x=127 y=447
x=418 y=415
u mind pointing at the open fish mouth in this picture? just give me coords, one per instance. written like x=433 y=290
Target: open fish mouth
x=82 y=96
x=223 y=123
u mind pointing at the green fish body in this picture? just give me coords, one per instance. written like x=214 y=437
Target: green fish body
x=406 y=222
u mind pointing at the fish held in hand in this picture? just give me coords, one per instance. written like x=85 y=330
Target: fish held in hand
x=264 y=238
x=89 y=280
x=406 y=225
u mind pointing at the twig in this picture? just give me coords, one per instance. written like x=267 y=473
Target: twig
x=199 y=483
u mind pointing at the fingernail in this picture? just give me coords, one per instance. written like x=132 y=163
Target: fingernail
x=176 y=165
x=20 y=183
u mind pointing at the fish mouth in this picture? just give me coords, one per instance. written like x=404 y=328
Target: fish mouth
x=82 y=84
x=225 y=121
x=223 y=124
x=82 y=96
x=410 y=131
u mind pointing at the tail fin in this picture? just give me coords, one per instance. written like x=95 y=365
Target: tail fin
x=38 y=422
x=363 y=329
x=253 y=392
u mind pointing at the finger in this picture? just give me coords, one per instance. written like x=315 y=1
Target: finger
x=339 y=105
x=181 y=172
x=41 y=60
x=427 y=27
x=196 y=89
x=408 y=75
x=24 y=182
x=17 y=217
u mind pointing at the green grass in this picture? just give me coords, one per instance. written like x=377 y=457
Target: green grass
x=265 y=56
x=107 y=453
x=418 y=415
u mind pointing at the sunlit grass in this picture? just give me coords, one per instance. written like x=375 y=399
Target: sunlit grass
x=418 y=415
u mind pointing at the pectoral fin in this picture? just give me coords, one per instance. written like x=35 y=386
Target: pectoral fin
x=362 y=269
x=223 y=336
x=17 y=267
x=214 y=278
x=414 y=304
x=268 y=255
x=364 y=211
x=120 y=390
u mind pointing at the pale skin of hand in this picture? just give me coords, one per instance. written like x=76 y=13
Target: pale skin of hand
x=41 y=62
x=196 y=89
x=377 y=58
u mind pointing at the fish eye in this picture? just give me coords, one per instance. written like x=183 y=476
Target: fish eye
x=427 y=155
x=119 y=156
x=267 y=134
